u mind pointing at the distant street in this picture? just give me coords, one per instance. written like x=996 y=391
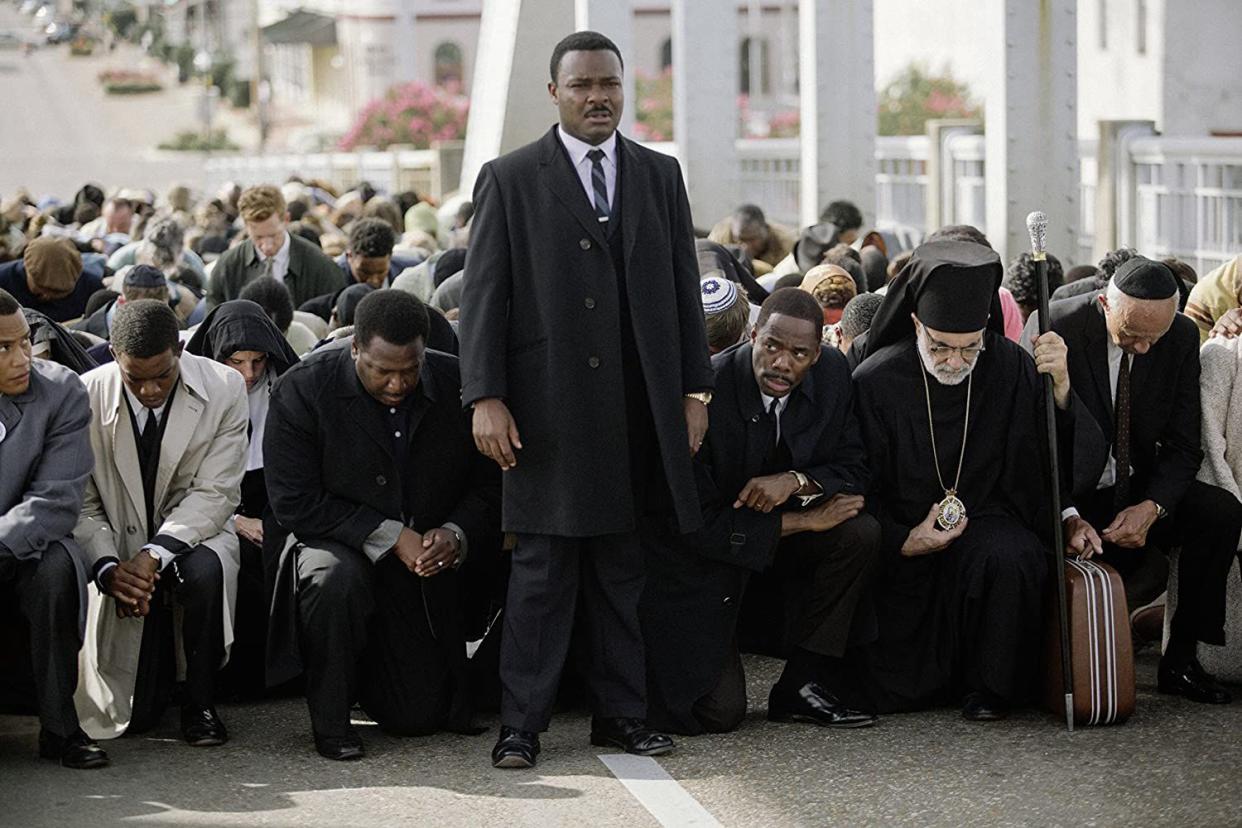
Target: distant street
x=60 y=129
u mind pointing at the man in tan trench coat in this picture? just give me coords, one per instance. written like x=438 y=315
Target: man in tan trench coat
x=169 y=434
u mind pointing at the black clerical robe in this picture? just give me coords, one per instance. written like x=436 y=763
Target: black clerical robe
x=968 y=617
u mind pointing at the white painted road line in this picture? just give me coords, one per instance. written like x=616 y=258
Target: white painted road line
x=656 y=791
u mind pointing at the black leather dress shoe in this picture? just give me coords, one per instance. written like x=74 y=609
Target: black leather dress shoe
x=515 y=748
x=202 y=727
x=814 y=704
x=78 y=751
x=1189 y=679
x=631 y=735
x=984 y=707
x=340 y=748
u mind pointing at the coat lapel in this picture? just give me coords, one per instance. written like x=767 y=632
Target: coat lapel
x=124 y=447
x=1096 y=335
x=559 y=176
x=750 y=407
x=10 y=412
x=187 y=409
x=629 y=173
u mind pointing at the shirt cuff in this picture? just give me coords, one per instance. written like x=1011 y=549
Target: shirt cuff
x=807 y=500
x=102 y=567
x=1066 y=514
x=460 y=533
x=162 y=554
x=384 y=538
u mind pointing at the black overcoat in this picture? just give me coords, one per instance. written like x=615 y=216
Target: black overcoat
x=1165 y=447
x=695 y=583
x=540 y=328
x=332 y=478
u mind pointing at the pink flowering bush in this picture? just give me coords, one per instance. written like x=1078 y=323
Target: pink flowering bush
x=653 y=112
x=410 y=113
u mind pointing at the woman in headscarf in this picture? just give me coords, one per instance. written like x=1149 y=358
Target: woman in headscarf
x=239 y=334
x=833 y=287
x=714 y=256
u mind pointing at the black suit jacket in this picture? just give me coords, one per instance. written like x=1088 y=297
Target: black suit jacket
x=311 y=273
x=1165 y=448
x=695 y=582
x=540 y=328
x=332 y=477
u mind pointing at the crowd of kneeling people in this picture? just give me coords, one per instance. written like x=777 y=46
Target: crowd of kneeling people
x=217 y=512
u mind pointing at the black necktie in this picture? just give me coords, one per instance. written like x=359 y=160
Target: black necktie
x=599 y=184
x=149 y=460
x=1121 y=440
x=774 y=414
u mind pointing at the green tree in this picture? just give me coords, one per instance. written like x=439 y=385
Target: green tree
x=916 y=96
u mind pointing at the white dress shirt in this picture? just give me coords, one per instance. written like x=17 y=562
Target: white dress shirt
x=141 y=415
x=280 y=262
x=578 y=150
x=259 y=398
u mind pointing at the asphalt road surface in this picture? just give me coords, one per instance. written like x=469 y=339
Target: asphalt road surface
x=1174 y=764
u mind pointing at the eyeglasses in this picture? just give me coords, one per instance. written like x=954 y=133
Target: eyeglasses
x=967 y=354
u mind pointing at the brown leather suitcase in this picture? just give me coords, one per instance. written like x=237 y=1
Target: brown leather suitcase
x=1101 y=650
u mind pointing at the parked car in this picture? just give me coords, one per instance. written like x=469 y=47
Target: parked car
x=61 y=31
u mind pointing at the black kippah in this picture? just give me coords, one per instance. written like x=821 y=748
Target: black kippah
x=1144 y=279
x=145 y=276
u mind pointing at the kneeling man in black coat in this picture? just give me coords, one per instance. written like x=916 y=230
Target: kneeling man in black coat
x=371 y=468
x=779 y=479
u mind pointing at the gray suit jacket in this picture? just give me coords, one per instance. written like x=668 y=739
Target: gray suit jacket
x=46 y=460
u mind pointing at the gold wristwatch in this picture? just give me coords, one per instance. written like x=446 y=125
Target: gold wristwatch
x=704 y=397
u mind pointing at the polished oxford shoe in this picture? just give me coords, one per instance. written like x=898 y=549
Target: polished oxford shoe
x=340 y=748
x=984 y=707
x=814 y=704
x=78 y=751
x=515 y=748
x=202 y=727
x=1189 y=679
x=631 y=735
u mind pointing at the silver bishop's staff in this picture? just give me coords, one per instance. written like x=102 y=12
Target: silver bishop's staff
x=1037 y=226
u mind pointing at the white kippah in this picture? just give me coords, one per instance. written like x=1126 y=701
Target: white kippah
x=718 y=294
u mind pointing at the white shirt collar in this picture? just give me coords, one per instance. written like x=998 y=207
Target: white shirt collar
x=780 y=405
x=578 y=148
x=281 y=255
x=141 y=412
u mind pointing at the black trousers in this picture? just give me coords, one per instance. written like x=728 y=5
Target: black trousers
x=199 y=593
x=366 y=636
x=825 y=575
x=46 y=592
x=548 y=578
x=1206 y=524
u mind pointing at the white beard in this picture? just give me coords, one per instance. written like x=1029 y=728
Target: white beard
x=943 y=375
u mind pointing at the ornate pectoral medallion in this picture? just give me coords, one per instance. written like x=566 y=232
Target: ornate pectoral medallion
x=951 y=512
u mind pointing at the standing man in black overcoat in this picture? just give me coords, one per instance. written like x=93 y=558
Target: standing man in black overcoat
x=585 y=360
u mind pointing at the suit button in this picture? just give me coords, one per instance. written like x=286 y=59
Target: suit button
x=593 y=362
x=380 y=480
x=727 y=600
x=590 y=303
x=585 y=244
x=131 y=529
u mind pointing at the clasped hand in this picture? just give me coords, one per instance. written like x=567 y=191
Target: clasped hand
x=132 y=584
